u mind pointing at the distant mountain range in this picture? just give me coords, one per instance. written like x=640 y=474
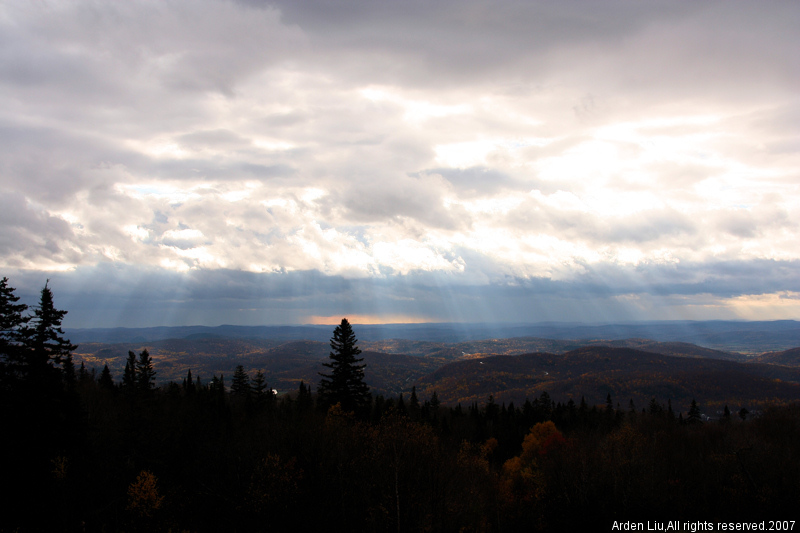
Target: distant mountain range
x=511 y=369
x=730 y=336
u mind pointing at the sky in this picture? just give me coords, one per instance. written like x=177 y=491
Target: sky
x=219 y=162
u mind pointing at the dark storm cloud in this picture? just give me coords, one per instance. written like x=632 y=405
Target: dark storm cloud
x=145 y=296
x=718 y=278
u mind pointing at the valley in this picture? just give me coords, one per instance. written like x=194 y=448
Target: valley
x=510 y=369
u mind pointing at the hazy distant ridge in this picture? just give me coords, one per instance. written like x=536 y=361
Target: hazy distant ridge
x=729 y=336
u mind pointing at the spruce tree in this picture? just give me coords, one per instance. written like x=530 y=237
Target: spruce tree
x=12 y=323
x=262 y=391
x=129 y=375
x=304 y=399
x=345 y=384
x=259 y=384
x=48 y=353
x=413 y=403
x=83 y=373
x=188 y=382
x=694 y=413
x=240 y=386
x=145 y=374
x=68 y=367
x=435 y=403
x=106 y=381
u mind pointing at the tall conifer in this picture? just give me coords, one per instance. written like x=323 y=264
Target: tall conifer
x=48 y=353
x=12 y=323
x=145 y=373
x=129 y=375
x=240 y=386
x=345 y=384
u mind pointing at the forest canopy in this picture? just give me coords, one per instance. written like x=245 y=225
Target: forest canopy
x=123 y=453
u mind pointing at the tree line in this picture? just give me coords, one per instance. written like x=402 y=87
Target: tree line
x=118 y=453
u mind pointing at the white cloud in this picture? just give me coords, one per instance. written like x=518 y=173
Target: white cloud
x=372 y=141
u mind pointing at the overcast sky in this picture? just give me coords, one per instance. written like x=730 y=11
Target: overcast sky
x=216 y=162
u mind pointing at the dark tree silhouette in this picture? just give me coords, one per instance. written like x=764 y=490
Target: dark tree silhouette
x=145 y=374
x=345 y=384
x=240 y=386
x=304 y=399
x=129 y=375
x=12 y=323
x=48 y=352
x=106 y=381
x=694 y=413
x=259 y=384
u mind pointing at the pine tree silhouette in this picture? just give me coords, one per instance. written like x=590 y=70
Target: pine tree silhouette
x=12 y=323
x=49 y=355
x=345 y=384
x=145 y=374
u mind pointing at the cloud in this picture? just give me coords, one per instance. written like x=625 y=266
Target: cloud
x=109 y=294
x=31 y=237
x=450 y=159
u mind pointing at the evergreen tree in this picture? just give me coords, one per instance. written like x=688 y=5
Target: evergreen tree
x=401 y=405
x=545 y=407
x=413 y=403
x=304 y=400
x=47 y=349
x=259 y=385
x=145 y=374
x=129 y=375
x=188 y=382
x=217 y=384
x=240 y=386
x=12 y=324
x=345 y=384
x=492 y=410
x=694 y=413
x=435 y=403
x=655 y=408
x=69 y=371
x=106 y=381
x=83 y=373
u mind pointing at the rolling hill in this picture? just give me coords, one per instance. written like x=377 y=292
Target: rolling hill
x=625 y=373
x=511 y=369
x=786 y=357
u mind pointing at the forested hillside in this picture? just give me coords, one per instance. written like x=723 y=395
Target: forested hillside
x=625 y=373
x=107 y=450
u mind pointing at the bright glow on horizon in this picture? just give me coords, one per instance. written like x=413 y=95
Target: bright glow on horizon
x=334 y=320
